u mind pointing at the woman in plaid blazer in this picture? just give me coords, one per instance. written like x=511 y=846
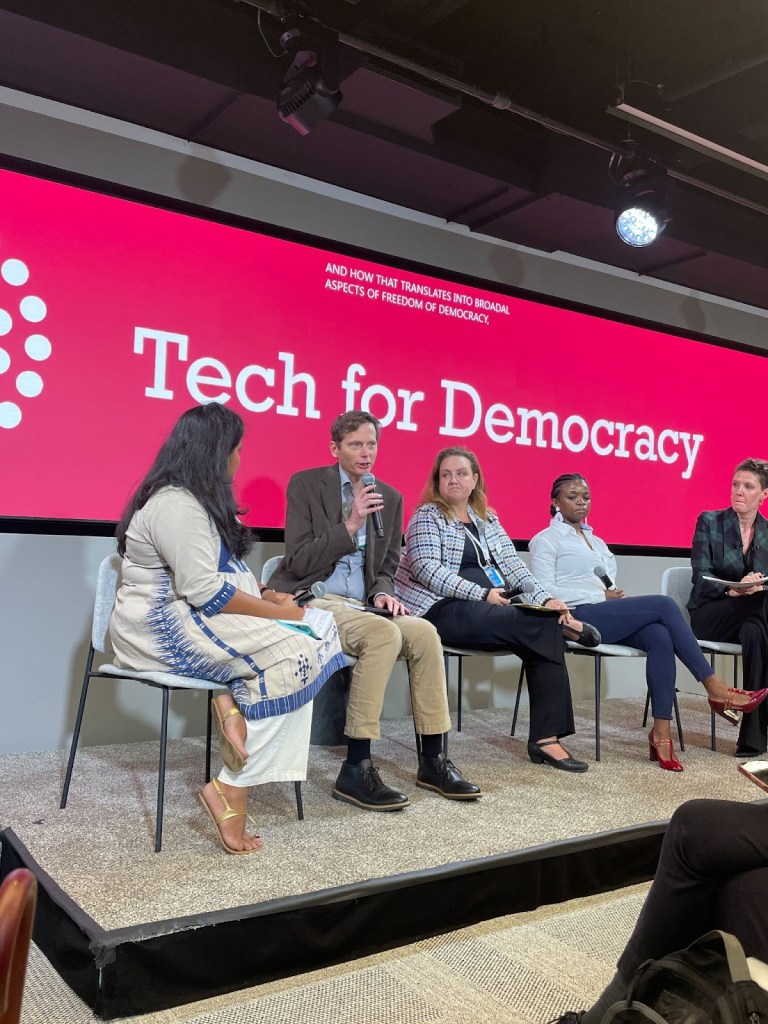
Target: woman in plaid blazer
x=732 y=544
x=457 y=570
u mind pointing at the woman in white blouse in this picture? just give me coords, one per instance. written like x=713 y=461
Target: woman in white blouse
x=576 y=566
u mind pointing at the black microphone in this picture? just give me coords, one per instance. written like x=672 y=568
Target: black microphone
x=526 y=587
x=316 y=590
x=369 y=480
x=604 y=578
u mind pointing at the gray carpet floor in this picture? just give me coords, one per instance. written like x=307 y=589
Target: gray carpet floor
x=99 y=850
x=523 y=969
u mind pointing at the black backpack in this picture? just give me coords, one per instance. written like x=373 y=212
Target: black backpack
x=707 y=983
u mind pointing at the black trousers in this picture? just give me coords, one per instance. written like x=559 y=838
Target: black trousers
x=537 y=639
x=742 y=620
x=712 y=873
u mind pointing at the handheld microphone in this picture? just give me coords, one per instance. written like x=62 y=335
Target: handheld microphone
x=526 y=587
x=369 y=480
x=316 y=590
x=604 y=578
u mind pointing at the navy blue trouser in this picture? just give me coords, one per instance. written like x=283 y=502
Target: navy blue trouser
x=656 y=625
x=712 y=873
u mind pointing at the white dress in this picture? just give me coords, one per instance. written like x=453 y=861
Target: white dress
x=177 y=575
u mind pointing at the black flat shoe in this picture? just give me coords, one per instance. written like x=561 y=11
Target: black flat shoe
x=538 y=755
x=588 y=637
x=748 y=752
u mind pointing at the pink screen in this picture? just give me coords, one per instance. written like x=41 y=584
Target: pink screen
x=116 y=316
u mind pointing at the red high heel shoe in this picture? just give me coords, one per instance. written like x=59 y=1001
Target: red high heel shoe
x=729 y=711
x=654 y=752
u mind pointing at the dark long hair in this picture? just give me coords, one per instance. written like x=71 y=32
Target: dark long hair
x=195 y=456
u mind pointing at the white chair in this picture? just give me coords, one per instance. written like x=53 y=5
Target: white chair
x=106 y=589
x=598 y=653
x=460 y=653
x=677 y=583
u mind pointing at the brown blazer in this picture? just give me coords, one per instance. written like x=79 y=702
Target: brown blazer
x=316 y=538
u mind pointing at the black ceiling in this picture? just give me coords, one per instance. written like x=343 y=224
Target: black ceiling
x=417 y=125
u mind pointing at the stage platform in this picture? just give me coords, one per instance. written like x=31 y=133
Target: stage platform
x=133 y=931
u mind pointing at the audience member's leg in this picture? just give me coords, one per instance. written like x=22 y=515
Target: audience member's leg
x=711 y=857
x=707 y=843
x=741 y=910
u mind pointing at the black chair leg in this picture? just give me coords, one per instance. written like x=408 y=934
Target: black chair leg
x=78 y=725
x=299 y=801
x=459 y=688
x=161 y=773
x=598 y=688
x=208 y=737
x=679 y=725
x=647 y=707
x=520 y=680
x=711 y=712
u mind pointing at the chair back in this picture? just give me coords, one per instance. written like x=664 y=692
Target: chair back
x=107 y=583
x=676 y=583
x=18 y=898
x=269 y=567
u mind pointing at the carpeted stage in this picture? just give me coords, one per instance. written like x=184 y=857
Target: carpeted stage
x=132 y=931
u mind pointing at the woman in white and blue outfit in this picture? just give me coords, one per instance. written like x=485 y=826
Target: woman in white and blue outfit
x=457 y=563
x=189 y=604
x=564 y=558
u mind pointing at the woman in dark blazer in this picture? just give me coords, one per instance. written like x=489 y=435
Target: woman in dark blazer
x=732 y=544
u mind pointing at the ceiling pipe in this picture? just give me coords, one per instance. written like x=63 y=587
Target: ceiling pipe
x=500 y=101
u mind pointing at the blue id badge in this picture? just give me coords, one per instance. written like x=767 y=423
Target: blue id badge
x=494 y=576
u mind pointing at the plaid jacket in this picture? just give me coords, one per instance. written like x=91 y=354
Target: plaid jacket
x=717 y=550
x=434 y=547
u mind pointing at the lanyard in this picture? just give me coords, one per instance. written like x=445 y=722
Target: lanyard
x=483 y=555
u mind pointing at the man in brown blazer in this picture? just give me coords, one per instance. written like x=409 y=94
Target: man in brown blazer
x=333 y=534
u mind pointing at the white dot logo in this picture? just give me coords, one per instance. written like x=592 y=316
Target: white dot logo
x=18 y=310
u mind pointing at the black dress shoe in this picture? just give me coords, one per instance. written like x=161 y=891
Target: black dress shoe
x=361 y=784
x=444 y=777
x=538 y=755
x=748 y=752
x=588 y=637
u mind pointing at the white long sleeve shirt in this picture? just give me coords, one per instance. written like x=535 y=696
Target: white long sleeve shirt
x=563 y=562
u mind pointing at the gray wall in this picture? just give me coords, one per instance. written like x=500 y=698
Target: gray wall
x=46 y=593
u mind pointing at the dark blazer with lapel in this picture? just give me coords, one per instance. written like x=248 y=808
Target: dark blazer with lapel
x=717 y=550
x=316 y=538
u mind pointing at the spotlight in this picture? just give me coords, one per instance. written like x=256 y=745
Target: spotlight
x=309 y=92
x=641 y=219
x=641 y=210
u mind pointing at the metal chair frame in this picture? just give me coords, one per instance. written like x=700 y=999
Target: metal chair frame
x=106 y=591
x=598 y=653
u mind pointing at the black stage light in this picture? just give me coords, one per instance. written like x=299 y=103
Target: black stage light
x=641 y=208
x=309 y=92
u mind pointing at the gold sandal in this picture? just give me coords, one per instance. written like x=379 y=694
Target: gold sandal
x=231 y=757
x=226 y=815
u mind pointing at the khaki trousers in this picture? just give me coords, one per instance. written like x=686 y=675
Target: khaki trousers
x=377 y=642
